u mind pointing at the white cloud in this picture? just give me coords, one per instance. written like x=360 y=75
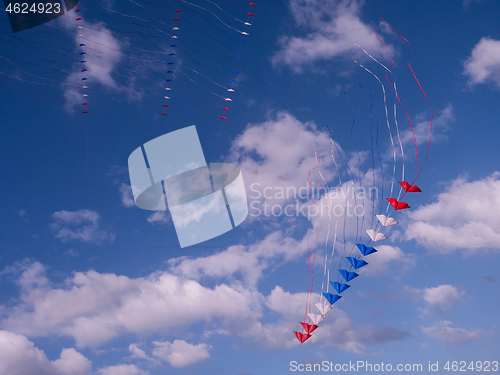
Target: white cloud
x=336 y=324
x=94 y=308
x=138 y=352
x=180 y=353
x=483 y=65
x=279 y=153
x=382 y=261
x=72 y=363
x=334 y=28
x=19 y=356
x=286 y=303
x=442 y=295
x=250 y=260
x=438 y=299
x=126 y=195
x=465 y=216
x=279 y=156
x=81 y=225
x=122 y=370
x=33 y=276
x=106 y=54
x=444 y=331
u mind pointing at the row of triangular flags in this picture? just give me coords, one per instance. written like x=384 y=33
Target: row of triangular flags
x=356 y=264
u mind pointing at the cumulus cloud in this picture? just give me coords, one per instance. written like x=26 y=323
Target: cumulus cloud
x=250 y=260
x=442 y=295
x=382 y=262
x=437 y=299
x=464 y=216
x=72 y=363
x=483 y=65
x=122 y=370
x=19 y=356
x=81 y=225
x=333 y=29
x=94 y=308
x=279 y=153
x=278 y=157
x=440 y=298
x=180 y=353
x=337 y=324
x=444 y=331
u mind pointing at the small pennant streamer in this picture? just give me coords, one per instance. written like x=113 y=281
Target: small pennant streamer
x=375 y=236
x=302 y=337
x=309 y=328
x=410 y=188
x=397 y=205
x=386 y=221
x=323 y=308
x=316 y=319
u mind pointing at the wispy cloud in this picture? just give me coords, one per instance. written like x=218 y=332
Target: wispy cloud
x=160 y=217
x=333 y=30
x=126 y=195
x=422 y=129
x=106 y=54
x=81 y=225
x=444 y=331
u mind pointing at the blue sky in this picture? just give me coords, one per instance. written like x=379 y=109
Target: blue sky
x=91 y=284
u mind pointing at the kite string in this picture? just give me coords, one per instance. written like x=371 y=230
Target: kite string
x=425 y=96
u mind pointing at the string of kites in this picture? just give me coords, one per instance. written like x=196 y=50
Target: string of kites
x=171 y=62
x=356 y=262
x=160 y=54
